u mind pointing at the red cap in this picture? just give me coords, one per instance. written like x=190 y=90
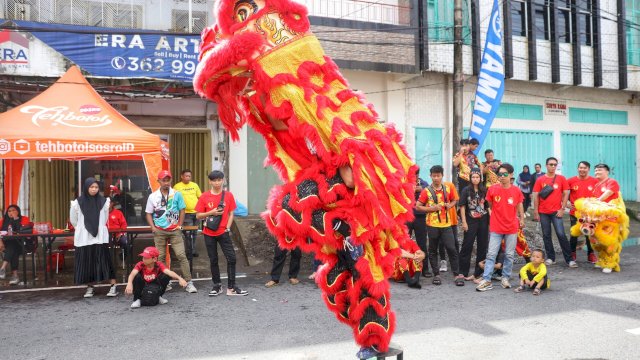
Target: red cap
x=163 y=174
x=150 y=252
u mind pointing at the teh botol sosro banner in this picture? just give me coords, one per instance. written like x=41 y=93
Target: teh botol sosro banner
x=490 y=81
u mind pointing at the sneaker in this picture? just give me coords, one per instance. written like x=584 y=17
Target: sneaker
x=573 y=264
x=443 y=266
x=573 y=255
x=294 y=281
x=484 y=286
x=505 y=283
x=112 y=291
x=89 y=292
x=606 y=270
x=592 y=258
x=169 y=287
x=549 y=262
x=15 y=280
x=162 y=300
x=217 y=290
x=3 y=274
x=271 y=283
x=136 y=304
x=191 y=289
x=236 y=291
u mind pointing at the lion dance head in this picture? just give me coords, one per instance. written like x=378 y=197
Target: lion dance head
x=606 y=225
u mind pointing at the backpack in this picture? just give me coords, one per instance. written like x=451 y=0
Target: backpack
x=150 y=294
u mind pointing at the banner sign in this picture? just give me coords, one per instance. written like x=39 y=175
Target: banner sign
x=555 y=107
x=120 y=53
x=23 y=55
x=490 y=80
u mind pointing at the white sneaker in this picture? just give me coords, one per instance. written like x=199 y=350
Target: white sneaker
x=443 y=265
x=112 y=291
x=190 y=288
x=14 y=280
x=505 y=283
x=606 y=270
x=168 y=286
x=89 y=292
x=3 y=274
x=162 y=300
x=136 y=304
x=573 y=264
x=549 y=262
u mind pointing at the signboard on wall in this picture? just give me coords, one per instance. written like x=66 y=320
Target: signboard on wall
x=23 y=55
x=117 y=53
x=555 y=107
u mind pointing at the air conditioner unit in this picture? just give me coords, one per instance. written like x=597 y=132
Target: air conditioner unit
x=22 y=12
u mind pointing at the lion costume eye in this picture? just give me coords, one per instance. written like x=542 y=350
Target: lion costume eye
x=244 y=9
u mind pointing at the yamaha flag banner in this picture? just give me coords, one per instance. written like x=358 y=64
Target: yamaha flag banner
x=490 y=80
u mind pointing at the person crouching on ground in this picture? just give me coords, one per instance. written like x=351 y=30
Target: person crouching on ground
x=149 y=279
x=408 y=267
x=534 y=274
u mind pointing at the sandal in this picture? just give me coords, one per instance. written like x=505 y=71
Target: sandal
x=537 y=291
x=459 y=280
x=519 y=289
x=469 y=278
x=436 y=280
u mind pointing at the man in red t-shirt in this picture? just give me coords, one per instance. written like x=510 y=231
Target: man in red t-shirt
x=606 y=189
x=211 y=203
x=550 y=210
x=506 y=218
x=580 y=186
x=150 y=275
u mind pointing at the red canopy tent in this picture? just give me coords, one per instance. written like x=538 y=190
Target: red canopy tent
x=71 y=121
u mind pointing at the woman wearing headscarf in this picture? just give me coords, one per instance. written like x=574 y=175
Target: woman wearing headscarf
x=12 y=248
x=525 y=184
x=89 y=215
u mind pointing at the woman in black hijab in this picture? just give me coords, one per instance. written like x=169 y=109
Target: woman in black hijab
x=12 y=248
x=89 y=215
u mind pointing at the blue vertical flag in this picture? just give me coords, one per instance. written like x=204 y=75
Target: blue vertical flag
x=490 y=81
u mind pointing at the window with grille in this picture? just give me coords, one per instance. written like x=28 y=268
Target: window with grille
x=541 y=8
x=518 y=17
x=633 y=32
x=585 y=24
x=440 y=18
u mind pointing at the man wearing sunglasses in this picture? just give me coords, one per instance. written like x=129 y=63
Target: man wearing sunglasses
x=549 y=209
x=506 y=218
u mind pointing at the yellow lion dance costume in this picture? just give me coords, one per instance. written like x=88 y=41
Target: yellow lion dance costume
x=606 y=225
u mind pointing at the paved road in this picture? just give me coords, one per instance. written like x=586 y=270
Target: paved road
x=585 y=315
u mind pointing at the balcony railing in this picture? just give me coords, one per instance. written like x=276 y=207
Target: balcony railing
x=183 y=15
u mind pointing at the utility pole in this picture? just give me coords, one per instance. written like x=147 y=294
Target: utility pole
x=458 y=82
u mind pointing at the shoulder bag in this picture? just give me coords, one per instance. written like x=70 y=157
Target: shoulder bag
x=213 y=222
x=547 y=190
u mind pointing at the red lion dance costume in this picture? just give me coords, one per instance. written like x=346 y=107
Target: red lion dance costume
x=348 y=184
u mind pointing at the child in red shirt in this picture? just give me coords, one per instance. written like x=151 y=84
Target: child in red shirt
x=149 y=279
x=117 y=221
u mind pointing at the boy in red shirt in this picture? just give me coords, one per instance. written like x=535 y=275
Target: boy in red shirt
x=550 y=210
x=218 y=202
x=580 y=186
x=149 y=279
x=117 y=221
x=506 y=218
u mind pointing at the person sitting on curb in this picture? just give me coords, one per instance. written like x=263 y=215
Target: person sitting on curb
x=534 y=274
x=408 y=267
x=149 y=279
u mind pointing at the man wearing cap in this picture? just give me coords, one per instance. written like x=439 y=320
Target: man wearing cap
x=150 y=275
x=165 y=215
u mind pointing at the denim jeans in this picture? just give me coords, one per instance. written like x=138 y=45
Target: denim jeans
x=545 y=222
x=495 y=242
